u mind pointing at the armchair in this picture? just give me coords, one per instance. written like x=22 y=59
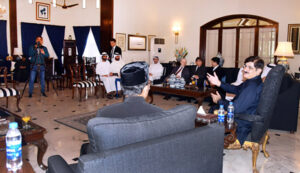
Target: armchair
x=265 y=110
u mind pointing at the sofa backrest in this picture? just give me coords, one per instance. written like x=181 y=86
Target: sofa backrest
x=199 y=150
x=107 y=133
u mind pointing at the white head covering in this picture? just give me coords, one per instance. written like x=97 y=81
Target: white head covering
x=100 y=59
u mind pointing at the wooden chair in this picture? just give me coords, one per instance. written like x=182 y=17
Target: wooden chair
x=265 y=110
x=7 y=91
x=79 y=80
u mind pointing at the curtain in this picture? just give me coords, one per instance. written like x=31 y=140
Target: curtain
x=29 y=31
x=211 y=45
x=266 y=48
x=96 y=33
x=81 y=35
x=3 y=40
x=246 y=47
x=228 y=47
x=56 y=35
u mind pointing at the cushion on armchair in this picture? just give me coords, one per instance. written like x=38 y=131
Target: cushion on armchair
x=107 y=133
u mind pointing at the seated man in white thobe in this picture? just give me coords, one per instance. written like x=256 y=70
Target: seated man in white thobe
x=155 y=70
x=115 y=67
x=103 y=70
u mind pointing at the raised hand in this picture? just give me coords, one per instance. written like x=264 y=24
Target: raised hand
x=216 y=97
x=213 y=79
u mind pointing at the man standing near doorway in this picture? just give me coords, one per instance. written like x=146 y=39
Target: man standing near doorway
x=114 y=49
x=38 y=53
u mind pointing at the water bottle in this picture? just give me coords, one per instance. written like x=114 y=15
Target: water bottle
x=230 y=115
x=221 y=114
x=13 y=148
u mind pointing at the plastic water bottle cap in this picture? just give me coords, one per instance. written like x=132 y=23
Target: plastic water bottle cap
x=230 y=103
x=13 y=125
x=221 y=106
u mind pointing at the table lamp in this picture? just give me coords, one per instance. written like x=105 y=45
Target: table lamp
x=283 y=51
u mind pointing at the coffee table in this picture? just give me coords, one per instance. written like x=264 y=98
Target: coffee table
x=198 y=94
x=32 y=136
x=230 y=132
x=26 y=167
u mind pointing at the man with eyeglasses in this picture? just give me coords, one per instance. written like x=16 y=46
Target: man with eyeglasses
x=247 y=95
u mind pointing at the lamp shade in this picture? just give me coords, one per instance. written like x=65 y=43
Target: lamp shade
x=17 y=51
x=284 y=49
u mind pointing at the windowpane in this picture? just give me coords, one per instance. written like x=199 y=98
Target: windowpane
x=246 y=48
x=264 y=23
x=217 y=25
x=91 y=49
x=228 y=47
x=231 y=23
x=211 y=45
x=266 y=48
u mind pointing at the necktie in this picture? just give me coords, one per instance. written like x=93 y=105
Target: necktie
x=196 y=68
x=179 y=70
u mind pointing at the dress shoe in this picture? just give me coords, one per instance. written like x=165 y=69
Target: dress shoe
x=180 y=99
x=166 y=97
x=30 y=95
x=43 y=94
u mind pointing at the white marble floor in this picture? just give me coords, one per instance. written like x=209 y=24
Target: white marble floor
x=284 y=148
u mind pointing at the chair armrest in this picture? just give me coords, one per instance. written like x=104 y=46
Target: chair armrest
x=56 y=164
x=251 y=118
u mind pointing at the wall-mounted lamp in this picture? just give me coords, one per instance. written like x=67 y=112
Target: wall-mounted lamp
x=54 y=3
x=83 y=3
x=30 y=1
x=176 y=30
x=97 y=3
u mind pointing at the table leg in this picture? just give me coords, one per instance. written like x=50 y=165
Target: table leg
x=150 y=95
x=200 y=101
x=42 y=147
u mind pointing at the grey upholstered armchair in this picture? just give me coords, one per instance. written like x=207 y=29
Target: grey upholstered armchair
x=261 y=121
x=163 y=142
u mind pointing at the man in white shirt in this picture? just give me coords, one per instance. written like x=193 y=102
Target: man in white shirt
x=114 y=73
x=103 y=70
x=155 y=70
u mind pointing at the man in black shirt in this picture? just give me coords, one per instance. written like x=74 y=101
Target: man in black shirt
x=198 y=72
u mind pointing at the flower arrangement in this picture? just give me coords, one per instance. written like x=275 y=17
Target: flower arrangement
x=180 y=53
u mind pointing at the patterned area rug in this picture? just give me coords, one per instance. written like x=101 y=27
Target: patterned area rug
x=77 y=122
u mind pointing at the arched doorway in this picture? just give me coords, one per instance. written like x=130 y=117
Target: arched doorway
x=237 y=37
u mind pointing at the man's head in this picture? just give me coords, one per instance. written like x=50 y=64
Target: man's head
x=117 y=57
x=39 y=40
x=199 y=61
x=134 y=79
x=112 y=42
x=104 y=56
x=183 y=62
x=215 y=61
x=253 y=67
x=155 y=59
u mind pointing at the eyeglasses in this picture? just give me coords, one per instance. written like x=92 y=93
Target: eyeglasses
x=249 y=67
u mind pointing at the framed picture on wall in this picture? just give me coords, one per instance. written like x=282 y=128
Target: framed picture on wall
x=137 y=42
x=43 y=11
x=121 y=41
x=293 y=36
x=149 y=41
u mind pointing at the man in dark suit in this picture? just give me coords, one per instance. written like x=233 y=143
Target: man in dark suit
x=216 y=68
x=114 y=49
x=182 y=71
x=198 y=72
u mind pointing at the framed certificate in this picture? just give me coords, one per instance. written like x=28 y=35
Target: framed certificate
x=137 y=42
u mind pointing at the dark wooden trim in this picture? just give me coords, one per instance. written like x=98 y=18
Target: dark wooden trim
x=237 y=48
x=220 y=40
x=106 y=24
x=13 y=25
x=209 y=26
x=202 y=46
x=256 y=40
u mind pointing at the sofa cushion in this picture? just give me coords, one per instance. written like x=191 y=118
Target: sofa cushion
x=107 y=133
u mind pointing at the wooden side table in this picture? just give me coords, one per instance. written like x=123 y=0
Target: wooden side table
x=26 y=168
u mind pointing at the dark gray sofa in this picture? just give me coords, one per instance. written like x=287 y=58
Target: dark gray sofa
x=164 y=142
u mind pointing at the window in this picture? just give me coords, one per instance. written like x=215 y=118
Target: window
x=237 y=37
x=91 y=49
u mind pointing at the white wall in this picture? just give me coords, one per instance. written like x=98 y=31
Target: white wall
x=75 y=16
x=158 y=16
